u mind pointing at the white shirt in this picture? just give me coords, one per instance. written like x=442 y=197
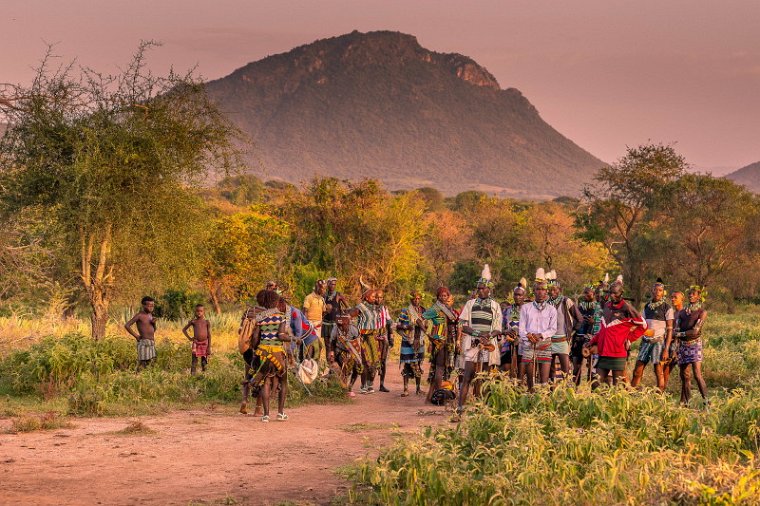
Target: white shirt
x=537 y=321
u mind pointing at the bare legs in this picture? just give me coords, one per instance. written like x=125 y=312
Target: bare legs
x=686 y=381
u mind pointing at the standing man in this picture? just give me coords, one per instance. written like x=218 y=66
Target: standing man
x=368 y=323
x=567 y=321
x=619 y=319
x=590 y=321
x=145 y=335
x=481 y=320
x=659 y=316
x=537 y=326
x=411 y=326
x=511 y=328
x=670 y=359
x=314 y=308
x=689 y=324
x=385 y=341
x=334 y=302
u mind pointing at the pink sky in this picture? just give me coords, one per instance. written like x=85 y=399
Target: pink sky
x=605 y=73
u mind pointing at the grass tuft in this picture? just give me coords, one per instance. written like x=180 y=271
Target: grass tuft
x=44 y=421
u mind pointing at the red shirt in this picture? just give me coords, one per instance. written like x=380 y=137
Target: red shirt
x=612 y=336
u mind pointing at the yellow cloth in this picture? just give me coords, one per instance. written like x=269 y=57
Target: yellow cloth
x=314 y=307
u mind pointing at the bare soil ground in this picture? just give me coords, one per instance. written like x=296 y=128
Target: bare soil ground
x=206 y=457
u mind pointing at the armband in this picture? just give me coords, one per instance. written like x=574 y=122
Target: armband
x=475 y=333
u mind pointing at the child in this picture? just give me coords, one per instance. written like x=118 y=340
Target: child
x=145 y=336
x=201 y=338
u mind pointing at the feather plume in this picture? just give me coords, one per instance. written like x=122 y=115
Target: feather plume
x=619 y=279
x=523 y=283
x=552 y=276
x=606 y=278
x=540 y=274
x=486 y=274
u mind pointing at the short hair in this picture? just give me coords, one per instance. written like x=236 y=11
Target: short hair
x=199 y=305
x=147 y=299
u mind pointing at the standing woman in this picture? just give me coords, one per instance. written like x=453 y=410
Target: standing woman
x=443 y=339
x=268 y=338
x=689 y=332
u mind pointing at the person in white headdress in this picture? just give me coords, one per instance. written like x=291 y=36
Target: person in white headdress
x=481 y=321
x=538 y=323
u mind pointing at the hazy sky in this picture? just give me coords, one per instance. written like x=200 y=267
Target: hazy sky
x=605 y=73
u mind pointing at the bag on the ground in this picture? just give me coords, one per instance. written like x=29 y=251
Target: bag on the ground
x=308 y=371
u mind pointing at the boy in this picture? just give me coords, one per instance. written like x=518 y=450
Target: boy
x=201 y=338
x=145 y=335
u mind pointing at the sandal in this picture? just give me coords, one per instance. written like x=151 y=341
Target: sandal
x=405 y=394
x=265 y=418
x=282 y=417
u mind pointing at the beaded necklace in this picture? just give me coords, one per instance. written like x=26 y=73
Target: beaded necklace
x=693 y=307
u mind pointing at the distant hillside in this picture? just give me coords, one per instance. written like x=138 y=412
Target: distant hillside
x=379 y=105
x=749 y=176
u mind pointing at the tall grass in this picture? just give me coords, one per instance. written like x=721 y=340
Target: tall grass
x=577 y=447
x=574 y=446
x=100 y=378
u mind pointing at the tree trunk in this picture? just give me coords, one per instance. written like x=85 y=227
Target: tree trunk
x=98 y=283
x=213 y=291
x=99 y=316
x=215 y=302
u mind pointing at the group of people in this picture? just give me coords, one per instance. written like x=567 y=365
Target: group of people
x=543 y=338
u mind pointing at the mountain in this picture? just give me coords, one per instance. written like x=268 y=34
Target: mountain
x=749 y=176
x=379 y=105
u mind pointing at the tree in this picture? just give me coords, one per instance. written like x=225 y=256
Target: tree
x=621 y=207
x=243 y=252
x=110 y=159
x=352 y=229
x=710 y=225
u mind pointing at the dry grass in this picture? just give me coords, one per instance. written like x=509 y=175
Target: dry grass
x=135 y=428
x=36 y=422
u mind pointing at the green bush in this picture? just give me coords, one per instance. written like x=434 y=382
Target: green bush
x=100 y=377
x=178 y=304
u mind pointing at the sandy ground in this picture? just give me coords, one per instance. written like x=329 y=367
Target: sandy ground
x=206 y=457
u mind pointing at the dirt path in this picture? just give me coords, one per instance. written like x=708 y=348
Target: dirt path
x=206 y=457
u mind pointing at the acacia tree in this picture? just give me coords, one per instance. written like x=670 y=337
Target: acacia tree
x=621 y=207
x=109 y=159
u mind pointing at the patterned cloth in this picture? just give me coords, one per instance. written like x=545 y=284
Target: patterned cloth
x=483 y=315
x=542 y=351
x=560 y=345
x=690 y=352
x=370 y=347
x=650 y=352
x=269 y=323
x=411 y=332
x=348 y=352
x=443 y=339
x=367 y=319
x=510 y=321
x=200 y=348
x=146 y=349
